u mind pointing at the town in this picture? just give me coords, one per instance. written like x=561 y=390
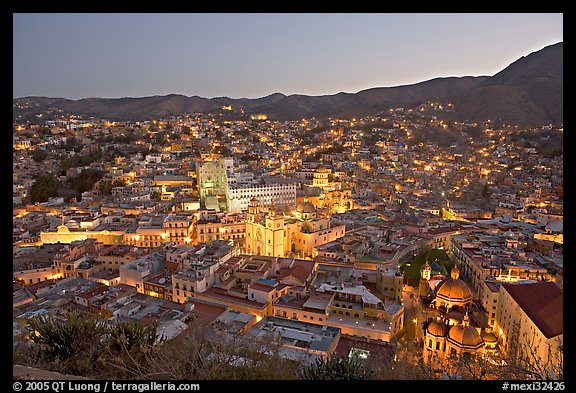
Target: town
x=352 y=237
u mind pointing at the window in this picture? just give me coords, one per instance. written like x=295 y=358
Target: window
x=430 y=343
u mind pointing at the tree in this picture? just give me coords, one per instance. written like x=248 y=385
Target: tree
x=39 y=155
x=72 y=144
x=225 y=151
x=486 y=190
x=85 y=180
x=130 y=336
x=160 y=139
x=44 y=187
x=74 y=343
x=334 y=368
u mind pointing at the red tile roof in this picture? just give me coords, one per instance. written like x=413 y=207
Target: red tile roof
x=543 y=303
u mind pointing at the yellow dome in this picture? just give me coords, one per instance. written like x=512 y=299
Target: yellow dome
x=488 y=337
x=454 y=290
x=465 y=337
x=437 y=329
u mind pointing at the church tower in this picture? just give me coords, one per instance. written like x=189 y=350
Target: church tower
x=274 y=233
x=253 y=210
x=424 y=287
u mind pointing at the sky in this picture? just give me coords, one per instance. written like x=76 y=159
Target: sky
x=253 y=55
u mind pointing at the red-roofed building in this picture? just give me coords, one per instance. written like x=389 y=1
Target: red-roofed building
x=530 y=322
x=299 y=273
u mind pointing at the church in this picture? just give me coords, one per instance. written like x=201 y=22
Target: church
x=452 y=332
x=274 y=233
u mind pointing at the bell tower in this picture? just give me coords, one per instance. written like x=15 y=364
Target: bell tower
x=426 y=273
x=253 y=210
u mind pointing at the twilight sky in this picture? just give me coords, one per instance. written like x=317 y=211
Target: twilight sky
x=254 y=55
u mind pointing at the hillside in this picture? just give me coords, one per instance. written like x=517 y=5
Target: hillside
x=529 y=92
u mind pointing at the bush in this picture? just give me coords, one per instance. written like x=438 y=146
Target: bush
x=74 y=343
x=44 y=187
x=334 y=368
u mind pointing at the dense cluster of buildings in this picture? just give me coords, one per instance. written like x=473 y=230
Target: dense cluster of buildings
x=294 y=230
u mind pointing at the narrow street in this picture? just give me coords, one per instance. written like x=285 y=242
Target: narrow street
x=411 y=317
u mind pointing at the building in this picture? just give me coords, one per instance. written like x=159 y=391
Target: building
x=452 y=333
x=136 y=272
x=265 y=234
x=196 y=267
x=222 y=189
x=445 y=340
x=275 y=192
x=495 y=258
x=211 y=226
x=178 y=228
x=274 y=234
x=300 y=341
x=213 y=177
x=389 y=282
x=453 y=293
x=529 y=323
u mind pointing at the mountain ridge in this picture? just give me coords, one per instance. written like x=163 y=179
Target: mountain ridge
x=529 y=92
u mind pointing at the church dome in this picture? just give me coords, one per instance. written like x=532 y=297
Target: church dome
x=306 y=207
x=454 y=289
x=437 y=329
x=465 y=337
x=488 y=336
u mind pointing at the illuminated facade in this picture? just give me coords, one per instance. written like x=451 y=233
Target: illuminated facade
x=452 y=334
x=65 y=235
x=274 y=234
x=265 y=235
x=331 y=197
x=223 y=189
x=238 y=196
x=530 y=322
x=213 y=177
x=178 y=228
